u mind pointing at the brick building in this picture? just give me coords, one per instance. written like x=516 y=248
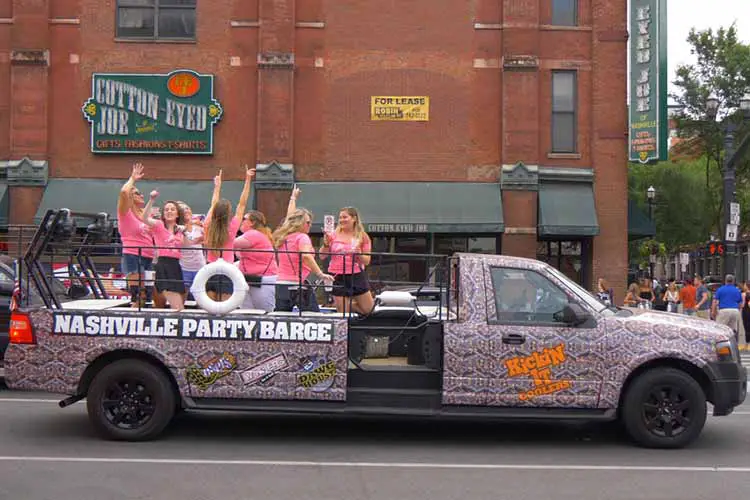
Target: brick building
x=514 y=139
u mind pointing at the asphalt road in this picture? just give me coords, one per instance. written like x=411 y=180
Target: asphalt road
x=51 y=453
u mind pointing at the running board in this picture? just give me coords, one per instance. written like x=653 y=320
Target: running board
x=300 y=407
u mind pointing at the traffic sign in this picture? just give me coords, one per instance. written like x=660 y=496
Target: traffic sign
x=731 y=234
x=734 y=214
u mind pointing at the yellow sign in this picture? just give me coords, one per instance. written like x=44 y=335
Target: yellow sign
x=400 y=108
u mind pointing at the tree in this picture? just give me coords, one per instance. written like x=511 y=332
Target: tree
x=722 y=70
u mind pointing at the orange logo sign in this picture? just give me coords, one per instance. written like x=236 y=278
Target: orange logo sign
x=537 y=367
x=184 y=84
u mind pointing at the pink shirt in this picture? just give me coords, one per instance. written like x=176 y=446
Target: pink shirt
x=166 y=238
x=289 y=262
x=134 y=233
x=256 y=262
x=342 y=264
x=227 y=254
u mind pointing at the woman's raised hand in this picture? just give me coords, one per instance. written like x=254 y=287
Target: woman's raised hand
x=249 y=173
x=217 y=179
x=137 y=172
x=154 y=194
x=295 y=192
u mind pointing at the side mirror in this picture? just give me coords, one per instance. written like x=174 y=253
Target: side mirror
x=572 y=314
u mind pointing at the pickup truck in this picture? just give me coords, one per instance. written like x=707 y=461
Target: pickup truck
x=515 y=339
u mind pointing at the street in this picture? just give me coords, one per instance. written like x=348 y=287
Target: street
x=51 y=453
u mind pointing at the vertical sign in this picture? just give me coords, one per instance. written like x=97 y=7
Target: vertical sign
x=649 y=123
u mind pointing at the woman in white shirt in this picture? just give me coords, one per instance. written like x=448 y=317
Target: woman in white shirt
x=192 y=257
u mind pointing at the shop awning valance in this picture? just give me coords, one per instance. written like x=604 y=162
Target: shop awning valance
x=409 y=207
x=100 y=195
x=639 y=225
x=567 y=210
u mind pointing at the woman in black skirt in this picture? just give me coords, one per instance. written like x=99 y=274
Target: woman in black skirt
x=349 y=247
x=169 y=236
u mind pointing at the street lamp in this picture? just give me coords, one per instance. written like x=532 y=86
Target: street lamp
x=650 y=195
x=731 y=155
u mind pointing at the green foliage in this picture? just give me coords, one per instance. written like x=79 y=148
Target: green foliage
x=684 y=210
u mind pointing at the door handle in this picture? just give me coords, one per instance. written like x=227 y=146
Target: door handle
x=514 y=338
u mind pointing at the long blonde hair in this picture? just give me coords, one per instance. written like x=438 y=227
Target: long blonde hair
x=217 y=233
x=294 y=223
x=359 y=228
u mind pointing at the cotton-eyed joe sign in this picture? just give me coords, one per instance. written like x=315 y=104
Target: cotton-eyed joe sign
x=400 y=108
x=172 y=113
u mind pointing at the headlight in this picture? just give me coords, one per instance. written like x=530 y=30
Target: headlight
x=727 y=350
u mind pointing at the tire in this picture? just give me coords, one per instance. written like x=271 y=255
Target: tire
x=664 y=408
x=130 y=400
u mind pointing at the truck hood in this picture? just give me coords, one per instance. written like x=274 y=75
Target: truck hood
x=685 y=324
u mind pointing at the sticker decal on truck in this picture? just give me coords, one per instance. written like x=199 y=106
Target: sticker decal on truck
x=180 y=326
x=538 y=367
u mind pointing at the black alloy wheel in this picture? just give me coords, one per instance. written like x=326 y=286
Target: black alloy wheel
x=127 y=404
x=664 y=408
x=131 y=400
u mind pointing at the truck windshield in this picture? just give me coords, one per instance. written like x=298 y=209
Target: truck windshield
x=582 y=293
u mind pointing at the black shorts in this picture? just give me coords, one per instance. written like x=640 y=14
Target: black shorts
x=350 y=285
x=169 y=275
x=220 y=283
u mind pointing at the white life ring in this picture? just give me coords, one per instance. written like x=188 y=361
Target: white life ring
x=239 y=285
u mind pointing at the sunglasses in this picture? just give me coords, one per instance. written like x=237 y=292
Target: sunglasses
x=137 y=193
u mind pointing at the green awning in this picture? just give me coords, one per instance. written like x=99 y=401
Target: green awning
x=567 y=209
x=100 y=195
x=409 y=207
x=639 y=225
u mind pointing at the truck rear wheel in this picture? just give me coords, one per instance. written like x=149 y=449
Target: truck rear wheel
x=130 y=400
x=664 y=408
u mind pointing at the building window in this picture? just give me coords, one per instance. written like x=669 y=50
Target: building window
x=564 y=12
x=156 y=19
x=564 y=130
x=449 y=244
x=566 y=256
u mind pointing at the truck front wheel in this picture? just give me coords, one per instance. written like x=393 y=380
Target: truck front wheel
x=130 y=400
x=664 y=408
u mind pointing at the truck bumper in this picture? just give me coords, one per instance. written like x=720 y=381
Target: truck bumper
x=728 y=386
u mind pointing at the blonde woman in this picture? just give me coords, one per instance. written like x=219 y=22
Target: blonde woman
x=257 y=261
x=632 y=298
x=220 y=229
x=348 y=247
x=671 y=297
x=294 y=247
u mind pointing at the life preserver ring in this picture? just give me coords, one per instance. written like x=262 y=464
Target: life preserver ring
x=239 y=285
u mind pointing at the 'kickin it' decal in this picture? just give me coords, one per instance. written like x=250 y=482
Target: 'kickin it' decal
x=207 y=373
x=317 y=373
x=538 y=366
x=265 y=370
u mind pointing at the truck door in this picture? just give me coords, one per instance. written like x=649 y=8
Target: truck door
x=537 y=360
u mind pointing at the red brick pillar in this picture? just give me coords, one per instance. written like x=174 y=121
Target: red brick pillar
x=29 y=60
x=276 y=61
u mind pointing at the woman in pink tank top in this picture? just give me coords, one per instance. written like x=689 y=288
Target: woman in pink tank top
x=349 y=247
x=220 y=230
x=137 y=240
x=296 y=256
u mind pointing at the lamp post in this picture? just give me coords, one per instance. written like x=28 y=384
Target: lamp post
x=650 y=195
x=730 y=226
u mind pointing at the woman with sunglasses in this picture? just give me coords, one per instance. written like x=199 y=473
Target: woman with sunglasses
x=137 y=240
x=294 y=247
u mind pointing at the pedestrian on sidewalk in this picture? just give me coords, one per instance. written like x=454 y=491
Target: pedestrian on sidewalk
x=688 y=298
x=746 y=310
x=727 y=305
x=703 y=298
x=671 y=297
